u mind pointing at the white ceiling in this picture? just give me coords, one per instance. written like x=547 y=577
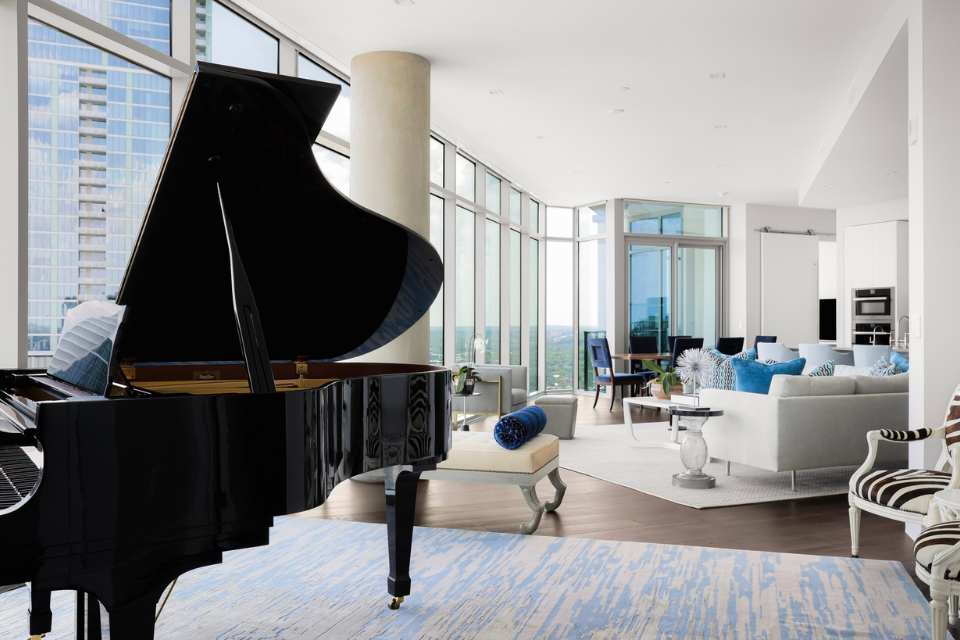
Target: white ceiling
x=868 y=162
x=562 y=66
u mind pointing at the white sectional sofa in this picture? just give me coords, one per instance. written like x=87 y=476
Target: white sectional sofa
x=806 y=422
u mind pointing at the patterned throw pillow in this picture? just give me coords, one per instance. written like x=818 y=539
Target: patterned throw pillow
x=825 y=369
x=883 y=367
x=721 y=374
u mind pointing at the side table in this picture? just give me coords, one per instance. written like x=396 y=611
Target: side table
x=693 y=449
x=944 y=507
x=462 y=425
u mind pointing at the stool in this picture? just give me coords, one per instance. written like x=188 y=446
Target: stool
x=561 y=413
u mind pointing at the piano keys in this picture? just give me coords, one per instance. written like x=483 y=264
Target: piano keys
x=177 y=423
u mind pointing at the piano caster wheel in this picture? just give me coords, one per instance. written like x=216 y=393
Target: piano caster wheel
x=35 y=637
x=395 y=603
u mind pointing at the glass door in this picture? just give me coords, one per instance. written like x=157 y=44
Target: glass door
x=698 y=290
x=649 y=278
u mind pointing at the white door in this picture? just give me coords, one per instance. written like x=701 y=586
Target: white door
x=789 y=287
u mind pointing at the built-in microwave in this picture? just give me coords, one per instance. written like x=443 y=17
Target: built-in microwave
x=873 y=303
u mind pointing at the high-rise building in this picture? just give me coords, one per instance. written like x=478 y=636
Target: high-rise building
x=98 y=127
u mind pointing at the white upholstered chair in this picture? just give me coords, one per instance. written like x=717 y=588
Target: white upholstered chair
x=904 y=494
x=775 y=351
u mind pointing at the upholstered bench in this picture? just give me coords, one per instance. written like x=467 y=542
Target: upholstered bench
x=476 y=457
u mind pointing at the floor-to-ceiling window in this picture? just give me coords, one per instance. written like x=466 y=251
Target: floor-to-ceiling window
x=516 y=287
x=338 y=120
x=465 y=318
x=558 y=295
x=98 y=126
x=533 y=315
x=674 y=255
x=436 y=309
x=225 y=37
x=491 y=291
x=591 y=285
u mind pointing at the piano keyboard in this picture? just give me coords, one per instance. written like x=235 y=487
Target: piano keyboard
x=18 y=476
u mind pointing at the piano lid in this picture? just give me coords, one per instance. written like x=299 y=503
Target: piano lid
x=331 y=278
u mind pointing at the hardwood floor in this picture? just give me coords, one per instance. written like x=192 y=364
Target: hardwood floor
x=597 y=509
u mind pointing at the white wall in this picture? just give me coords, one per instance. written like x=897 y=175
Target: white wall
x=854 y=216
x=743 y=291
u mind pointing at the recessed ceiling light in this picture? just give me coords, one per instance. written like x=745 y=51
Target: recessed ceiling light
x=718 y=75
x=496 y=92
x=540 y=137
x=616 y=112
x=624 y=87
x=404 y=3
x=720 y=125
x=667 y=182
x=723 y=194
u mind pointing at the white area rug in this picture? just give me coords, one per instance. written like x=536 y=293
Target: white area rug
x=609 y=453
x=325 y=580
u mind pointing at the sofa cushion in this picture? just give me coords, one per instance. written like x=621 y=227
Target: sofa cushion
x=791 y=386
x=850 y=371
x=775 y=351
x=899 y=383
x=478 y=451
x=755 y=377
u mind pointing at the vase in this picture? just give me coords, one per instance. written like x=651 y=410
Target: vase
x=658 y=391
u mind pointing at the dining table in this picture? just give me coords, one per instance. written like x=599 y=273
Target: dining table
x=637 y=357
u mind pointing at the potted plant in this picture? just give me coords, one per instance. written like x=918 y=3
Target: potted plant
x=666 y=381
x=464 y=380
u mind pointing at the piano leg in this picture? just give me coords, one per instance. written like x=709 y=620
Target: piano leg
x=401 y=492
x=135 y=619
x=41 y=619
x=88 y=617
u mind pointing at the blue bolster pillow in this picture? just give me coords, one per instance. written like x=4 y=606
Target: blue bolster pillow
x=518 y=427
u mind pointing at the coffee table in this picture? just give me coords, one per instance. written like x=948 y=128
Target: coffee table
x=649 y=401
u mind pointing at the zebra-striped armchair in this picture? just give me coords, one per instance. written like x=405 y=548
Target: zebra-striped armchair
x=904 y=494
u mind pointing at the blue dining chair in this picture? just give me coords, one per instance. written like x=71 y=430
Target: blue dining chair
x=600 y=354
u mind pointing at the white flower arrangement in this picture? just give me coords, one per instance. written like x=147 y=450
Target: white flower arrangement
x=695 y=365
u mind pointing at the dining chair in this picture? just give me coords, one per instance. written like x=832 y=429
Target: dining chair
x=681 y=344
x=730 y=346
x=600 y=353
x=671 y=340
x=760 y=339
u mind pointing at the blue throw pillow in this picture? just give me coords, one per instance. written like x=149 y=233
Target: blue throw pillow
x=901 y=361
x=755 y=377
x=519 y=427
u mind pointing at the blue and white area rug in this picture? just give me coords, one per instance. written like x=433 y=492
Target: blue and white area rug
x=323 y=579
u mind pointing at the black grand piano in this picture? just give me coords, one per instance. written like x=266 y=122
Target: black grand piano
x=177 y=423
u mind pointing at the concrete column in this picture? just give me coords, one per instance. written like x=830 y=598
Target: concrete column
x=934 y=164
x=390 y=159
x=13 y=183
